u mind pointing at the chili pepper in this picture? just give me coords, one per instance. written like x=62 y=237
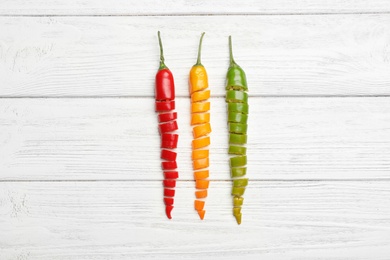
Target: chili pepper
x=237 y=104
x=165 y=104
x=200 y=119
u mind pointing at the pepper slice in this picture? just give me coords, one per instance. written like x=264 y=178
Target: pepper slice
x=238 y=107
x=201 y=142
x=201 y=130
x=237 y=138
x=240 y=182
x=169 y=193
x=236 y=96
x=238 y=191
x=168 y=201
x=167 y=117
x=238 y=201
x=238 y=128
x=169 y=183
x=168 y=155
x=168 y=127
x=200 y=107
x=200 y=96
x=200 y=163
x=200 y=118
x=235 y=117
x=169 y=140
x=238 y=161
x=239 y=150
x=201 y=194
x=201 y=174
x=162 y=106
x=202 y=184
x=200 y=154
x=199 y=205
x=237 y=172
x=171 y=175
x=170 y=165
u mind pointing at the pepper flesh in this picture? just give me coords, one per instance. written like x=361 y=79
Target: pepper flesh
x=200 y=119
x=165 y=104
x=237 y=105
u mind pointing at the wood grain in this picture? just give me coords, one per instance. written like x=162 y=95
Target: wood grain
x=307 y=55
x=117 y=138
x=177 y=7
x=125 y=220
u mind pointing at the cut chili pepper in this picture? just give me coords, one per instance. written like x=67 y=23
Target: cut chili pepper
x=200 y=163
x=235 y=117
x=238 y=201
x=201 y=130
x=169 y=183
x=162 y=106
x=171 y=175
x=198 y=79
x=199 y=204
x=238 y=161
x=238 y=172
x=235 y=149
x=167 y=117
x=200 y=96
x=236 y=96
x=237 y=138
x=201 y=194
x=201 y=214
x=200 y=154
x=169 y=140
x=168 y=210
x=168 y=127
x=165 y=86
x=200 y=118
x=201 y=142
x=201 y=174
x=238 y=128
x=168 y=201
x=170 y=165
x=238 y=107
x=240 y=182
x=169 y=193
x=168 y=155
x=238 y=191
x=199 y=107
x=202 y=184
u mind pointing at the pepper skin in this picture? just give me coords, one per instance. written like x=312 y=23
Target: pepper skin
x=200 y=120
x=165 y=104
x=237 y=105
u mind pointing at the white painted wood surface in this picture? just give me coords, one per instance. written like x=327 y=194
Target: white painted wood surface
x=79 y=167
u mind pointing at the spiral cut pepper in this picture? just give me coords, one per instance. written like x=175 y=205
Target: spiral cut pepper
x=237 y=105
x=165 y=106
x=200 y=120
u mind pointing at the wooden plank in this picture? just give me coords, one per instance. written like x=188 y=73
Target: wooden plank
x=117 y=138
x=125 y=220
x=118 y=56
x=169 y=7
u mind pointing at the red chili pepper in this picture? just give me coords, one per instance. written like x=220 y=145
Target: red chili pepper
x=165 y=103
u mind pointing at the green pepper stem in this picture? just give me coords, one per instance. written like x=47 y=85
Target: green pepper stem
x=198 y=62
x=162 y=64
x=232 y=62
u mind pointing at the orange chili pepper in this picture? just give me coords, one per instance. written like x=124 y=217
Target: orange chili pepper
x=200 y=117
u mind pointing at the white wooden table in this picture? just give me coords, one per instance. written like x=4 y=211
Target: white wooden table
x=80 y=172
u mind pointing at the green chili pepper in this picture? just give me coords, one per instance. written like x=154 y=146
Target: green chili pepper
x=238 y=128
x=235 y=117
x=237 y=172
x=235 y=149
x=237 y=107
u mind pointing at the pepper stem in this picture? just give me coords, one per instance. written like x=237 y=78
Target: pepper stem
x=198 y=62
x=162 y=64
x=232 y=62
